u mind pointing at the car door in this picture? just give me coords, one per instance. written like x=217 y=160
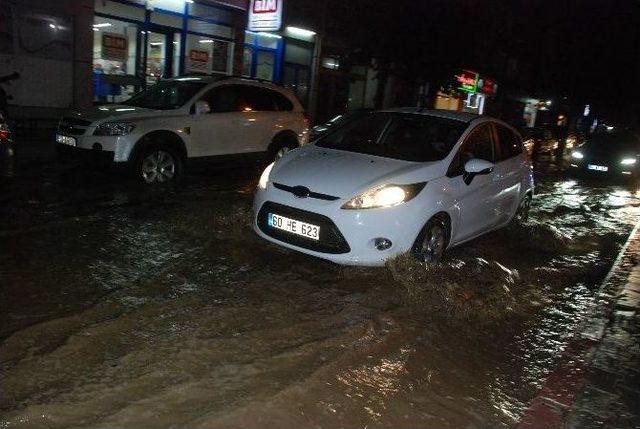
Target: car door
x=474 y=196
x=221 y=131
x=261 y=117
x=510 y=168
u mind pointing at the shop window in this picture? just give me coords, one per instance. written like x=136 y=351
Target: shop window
x=6 y=29
x=46 y=36
x=216 y=30
x=298 y=52
x=265 y=62
x=170 y=5
x=247 y=61
x=213 y=13
x=114 y=59
x=205 y=55
x=120 y=9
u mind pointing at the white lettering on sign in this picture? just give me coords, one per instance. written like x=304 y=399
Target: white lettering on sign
x=265 y=15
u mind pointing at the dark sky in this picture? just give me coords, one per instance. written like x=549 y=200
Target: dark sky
x=586 y=50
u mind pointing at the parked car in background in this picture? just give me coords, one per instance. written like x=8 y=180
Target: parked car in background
x=616 y=153
x=338 y=121
x=7 y=149
x=395 y=181
x=158 y=130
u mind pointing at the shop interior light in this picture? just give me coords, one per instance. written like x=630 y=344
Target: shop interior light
x=102 y=24
x=206 y=40
x=295 y=31
x=265 y=34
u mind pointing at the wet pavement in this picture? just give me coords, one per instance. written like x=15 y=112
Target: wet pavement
x=124 y=307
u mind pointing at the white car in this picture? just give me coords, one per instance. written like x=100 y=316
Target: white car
x=396 y=181
x=157 y=130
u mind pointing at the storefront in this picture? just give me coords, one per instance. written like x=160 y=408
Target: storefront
x=138 y=42
x=469 y=92
x=284 y=57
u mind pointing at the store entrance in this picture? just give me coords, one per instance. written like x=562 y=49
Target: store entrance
x=161 y=54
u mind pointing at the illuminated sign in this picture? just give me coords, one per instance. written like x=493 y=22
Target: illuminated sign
x=468 y=81
x=114 y=47
x=198 y=60
x=265 y=15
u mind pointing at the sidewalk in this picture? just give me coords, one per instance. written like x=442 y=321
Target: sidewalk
x=596 y=382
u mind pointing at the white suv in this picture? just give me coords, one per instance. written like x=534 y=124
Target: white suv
x=157 y=130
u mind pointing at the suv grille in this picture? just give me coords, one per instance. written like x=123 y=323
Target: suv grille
x=73 y=126
x=331 y=240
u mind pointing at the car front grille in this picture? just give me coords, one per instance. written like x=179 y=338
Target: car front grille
x=331 y=240
x=304 y=192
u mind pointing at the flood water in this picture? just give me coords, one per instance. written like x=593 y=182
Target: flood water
x=128 y=308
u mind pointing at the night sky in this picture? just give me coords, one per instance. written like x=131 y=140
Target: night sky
x=587 y=51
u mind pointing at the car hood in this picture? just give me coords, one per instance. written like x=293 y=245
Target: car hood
x=115 y=111
x=343 y=174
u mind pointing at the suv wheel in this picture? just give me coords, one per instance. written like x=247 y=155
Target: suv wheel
x=158 y=164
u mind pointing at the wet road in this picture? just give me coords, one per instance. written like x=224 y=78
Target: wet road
x=128 y=308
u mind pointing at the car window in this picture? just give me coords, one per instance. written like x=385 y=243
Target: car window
x=509 y=143
x=409 y=137
x=282 y=103
x=479 y=145
x=223 y=99
x=166 y=95
x=257 y=99
x=356 y=136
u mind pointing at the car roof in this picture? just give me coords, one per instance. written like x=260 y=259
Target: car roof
x=208 y=79
x=446 y=114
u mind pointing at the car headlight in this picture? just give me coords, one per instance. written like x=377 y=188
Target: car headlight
x=577 y=154
x=384 y=196
x=264 y=178
x=628 y=161
x=114 y=129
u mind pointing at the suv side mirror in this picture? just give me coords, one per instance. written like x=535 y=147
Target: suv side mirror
x=202 y=107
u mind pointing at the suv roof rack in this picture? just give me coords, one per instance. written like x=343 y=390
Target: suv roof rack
x=221 y=76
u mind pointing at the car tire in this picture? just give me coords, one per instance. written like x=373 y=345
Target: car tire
x=432 y=242
x=157 y=165
x=281 y=146
x=522 y=213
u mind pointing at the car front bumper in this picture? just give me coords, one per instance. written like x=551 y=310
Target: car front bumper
x=347 y=236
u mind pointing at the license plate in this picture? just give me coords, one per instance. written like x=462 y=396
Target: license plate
x=71 y=141
x=598 y=167
x=294 y=226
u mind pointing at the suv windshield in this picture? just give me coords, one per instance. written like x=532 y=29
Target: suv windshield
x=409 y=137
x=614 y=142
x=165 y=95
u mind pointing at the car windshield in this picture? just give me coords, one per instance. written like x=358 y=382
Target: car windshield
x=165 y=95
x=409 y=137
x=614 y=142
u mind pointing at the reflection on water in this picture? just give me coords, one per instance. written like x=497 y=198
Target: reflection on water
x=169 y=312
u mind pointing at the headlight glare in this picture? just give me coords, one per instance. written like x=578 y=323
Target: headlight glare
x=577 y=154
x=264 y=178
x=114 y=129
x=384 y=196
x=628 y=161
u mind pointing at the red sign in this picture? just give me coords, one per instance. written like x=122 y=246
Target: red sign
x=488 y=86
x=265 y=6
x=468 y=81
x=199 y=56
x=114 y=47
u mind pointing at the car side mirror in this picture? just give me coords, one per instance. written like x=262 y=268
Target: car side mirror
x=202 y=107
x=476 y=167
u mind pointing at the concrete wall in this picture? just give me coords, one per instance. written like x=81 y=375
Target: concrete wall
x=55 y=67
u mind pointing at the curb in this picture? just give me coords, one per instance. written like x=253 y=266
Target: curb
x=550 y=408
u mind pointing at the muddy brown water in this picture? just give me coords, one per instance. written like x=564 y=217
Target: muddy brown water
x=164 y=310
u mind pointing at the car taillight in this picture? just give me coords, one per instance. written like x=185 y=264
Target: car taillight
x=4 y=135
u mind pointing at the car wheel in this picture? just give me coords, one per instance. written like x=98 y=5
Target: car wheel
x=432 y=241
x=158 y=165
x=522 y=214
x=281 y=148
